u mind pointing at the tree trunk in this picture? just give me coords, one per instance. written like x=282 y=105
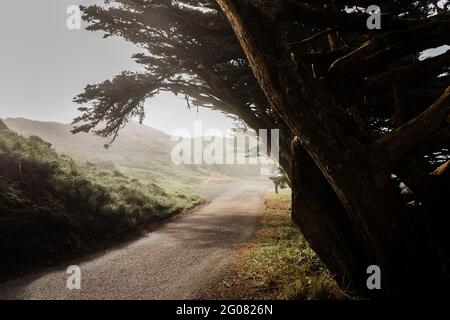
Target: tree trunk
x=324 y=223
x=356 y=206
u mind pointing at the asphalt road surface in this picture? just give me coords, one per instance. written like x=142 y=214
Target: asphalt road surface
x=179 y=260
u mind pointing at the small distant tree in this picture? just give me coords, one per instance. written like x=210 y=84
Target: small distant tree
x=280 y=180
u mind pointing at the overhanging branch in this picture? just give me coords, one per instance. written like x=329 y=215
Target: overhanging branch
x=433 y=121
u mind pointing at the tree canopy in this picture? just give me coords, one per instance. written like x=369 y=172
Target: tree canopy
x=360 y=111
x=190 y=50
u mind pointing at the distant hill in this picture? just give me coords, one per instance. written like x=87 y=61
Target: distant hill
x=142 y=151
x=134 y=137
x=139 y=151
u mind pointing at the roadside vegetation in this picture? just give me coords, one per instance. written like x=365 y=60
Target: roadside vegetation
x=52 y=207
x=277 y=262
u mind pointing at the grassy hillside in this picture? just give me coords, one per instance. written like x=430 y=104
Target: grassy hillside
x=51 y=207
x=139 y=151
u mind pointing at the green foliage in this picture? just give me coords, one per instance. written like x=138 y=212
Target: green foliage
x=53 y=207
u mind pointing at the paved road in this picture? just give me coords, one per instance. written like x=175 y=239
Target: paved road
x=180 y=260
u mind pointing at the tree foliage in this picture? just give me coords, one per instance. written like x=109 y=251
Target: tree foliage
x=190 y=51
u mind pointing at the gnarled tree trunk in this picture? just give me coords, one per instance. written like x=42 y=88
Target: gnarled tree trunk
x=344 y=198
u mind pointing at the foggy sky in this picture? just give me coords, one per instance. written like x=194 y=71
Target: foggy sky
x=43 y=65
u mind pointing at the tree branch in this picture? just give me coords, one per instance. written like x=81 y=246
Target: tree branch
x=434 y=120
x=383 y=49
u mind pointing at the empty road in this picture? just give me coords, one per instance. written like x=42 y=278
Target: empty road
x=179 y=260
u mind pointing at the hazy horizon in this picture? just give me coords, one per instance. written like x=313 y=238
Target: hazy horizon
x=44 y=66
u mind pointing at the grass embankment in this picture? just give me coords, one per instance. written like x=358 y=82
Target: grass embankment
x=52 y=207
x=277 y=263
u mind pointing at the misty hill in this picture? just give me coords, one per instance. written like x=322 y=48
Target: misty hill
x=139 y=151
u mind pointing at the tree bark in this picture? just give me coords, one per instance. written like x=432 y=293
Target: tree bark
x=324 y=223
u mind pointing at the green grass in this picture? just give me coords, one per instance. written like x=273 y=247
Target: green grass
x=282 y=259
x=52 y=207
x=278 y=263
